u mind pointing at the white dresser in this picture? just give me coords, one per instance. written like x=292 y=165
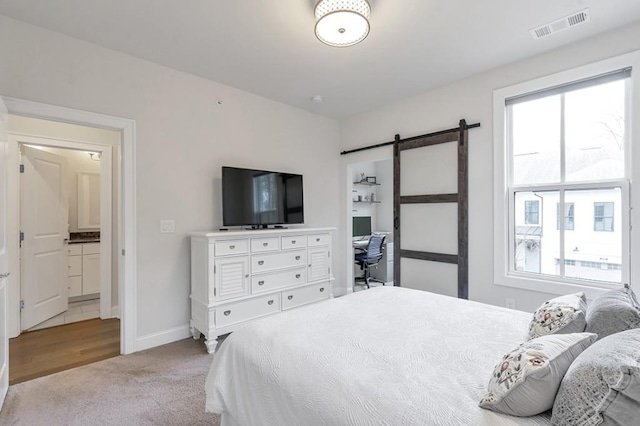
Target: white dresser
x=238 y=276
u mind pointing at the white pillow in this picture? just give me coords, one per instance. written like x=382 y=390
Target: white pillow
x=562 y=315
x=526 y=380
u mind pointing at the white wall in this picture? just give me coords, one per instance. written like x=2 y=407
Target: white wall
x=472 y=99
x=384 y=218
x=183 y=138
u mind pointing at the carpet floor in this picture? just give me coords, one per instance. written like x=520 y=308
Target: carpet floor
x=159 y=386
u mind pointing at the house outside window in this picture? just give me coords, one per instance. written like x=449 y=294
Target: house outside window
x=566 y=143
x=569 y=223
x=532 y=212
x=603 y=217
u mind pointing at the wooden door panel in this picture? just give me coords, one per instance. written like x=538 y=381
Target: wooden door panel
x=44 y=222
x=4 y=256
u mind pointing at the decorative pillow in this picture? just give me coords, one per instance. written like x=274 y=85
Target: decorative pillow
x=562 y=315
x=525 y=382
x=613 y=312
x=602 y=386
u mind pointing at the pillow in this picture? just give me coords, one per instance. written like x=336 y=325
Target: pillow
x=562 y=315
x=613 y=312
x=525 y=382
x=603 y=384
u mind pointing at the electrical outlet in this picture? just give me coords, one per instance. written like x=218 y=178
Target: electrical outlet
x=510 y=303
x=167 y=226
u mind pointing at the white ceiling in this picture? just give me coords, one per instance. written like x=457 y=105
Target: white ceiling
x=269 y=47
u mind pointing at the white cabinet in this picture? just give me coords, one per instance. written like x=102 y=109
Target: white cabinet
x=231 y=277
x=83 y=269
x=239 y=276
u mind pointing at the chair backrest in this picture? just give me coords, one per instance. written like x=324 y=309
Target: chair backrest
x=374 y=248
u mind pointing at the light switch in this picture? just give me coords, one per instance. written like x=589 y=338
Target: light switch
x=167 y=226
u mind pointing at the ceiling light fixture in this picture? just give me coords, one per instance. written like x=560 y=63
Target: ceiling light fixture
x=342 y=23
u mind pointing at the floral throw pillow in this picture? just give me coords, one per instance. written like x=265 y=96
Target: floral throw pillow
x=562 y=315
x=525 y=381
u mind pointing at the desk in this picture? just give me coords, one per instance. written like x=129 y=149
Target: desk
x=361 y=244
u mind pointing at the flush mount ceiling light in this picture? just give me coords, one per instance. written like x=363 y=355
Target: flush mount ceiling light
x=342 y=23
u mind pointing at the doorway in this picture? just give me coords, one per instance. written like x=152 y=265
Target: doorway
x=60 y=232
x=370 y=211
x=67 y=202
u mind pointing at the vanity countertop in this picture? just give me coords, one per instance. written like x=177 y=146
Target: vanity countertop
x=83 y=241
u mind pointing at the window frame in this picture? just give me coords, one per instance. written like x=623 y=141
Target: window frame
x=604 y=216
x=561 y=216
x=503 y=194
x=528 y=212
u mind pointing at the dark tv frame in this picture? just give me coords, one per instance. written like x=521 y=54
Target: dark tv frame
x=260 y=225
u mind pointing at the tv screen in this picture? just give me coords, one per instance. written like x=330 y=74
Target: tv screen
x=261 y=198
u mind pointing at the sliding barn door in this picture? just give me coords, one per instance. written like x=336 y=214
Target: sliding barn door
x=430 y=208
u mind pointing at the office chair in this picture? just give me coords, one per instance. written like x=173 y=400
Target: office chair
x=370 y=257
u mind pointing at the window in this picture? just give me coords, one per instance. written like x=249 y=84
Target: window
x=603 y=217
x=532 y=212
x=568 y=216
x=565 y=146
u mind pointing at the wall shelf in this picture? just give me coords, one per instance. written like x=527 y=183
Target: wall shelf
x=366 y=183
x=367 y=202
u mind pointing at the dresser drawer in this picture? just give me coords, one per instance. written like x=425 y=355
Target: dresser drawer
x=274 y=280
x=74 y=249
x=293 y=241
x=90 y=248
x=272 y=261
x=302 y=296
x=318 y=239
x=264 y=244
x=74 y=266
x=248 y=309
x=228 y=247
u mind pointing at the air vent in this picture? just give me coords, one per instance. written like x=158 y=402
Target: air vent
x=561 y=24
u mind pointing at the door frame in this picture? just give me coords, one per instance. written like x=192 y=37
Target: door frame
x=127 y=268
x=16 y=140
x=348 y=166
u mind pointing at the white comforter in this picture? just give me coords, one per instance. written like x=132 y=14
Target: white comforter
x=385 y=356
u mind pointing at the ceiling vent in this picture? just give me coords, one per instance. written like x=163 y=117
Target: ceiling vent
x=561 y=24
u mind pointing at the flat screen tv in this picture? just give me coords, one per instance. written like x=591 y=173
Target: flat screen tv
x=259 y=198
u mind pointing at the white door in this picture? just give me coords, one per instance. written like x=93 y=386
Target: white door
x=4 y=257
x=44 y=217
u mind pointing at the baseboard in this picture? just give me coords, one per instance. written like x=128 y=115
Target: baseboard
x=162 y=338
x=115 y=312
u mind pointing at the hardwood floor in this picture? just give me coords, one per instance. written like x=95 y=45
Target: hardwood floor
x=42 y=352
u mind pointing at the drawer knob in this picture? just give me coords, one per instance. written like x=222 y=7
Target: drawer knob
x=290 y=297
x=261 y=262
x=265 y=244
x=260 y=282
x=321 y=289
x=293 y=241
x=297 y=257
x=232 y=247
x=227 y=313
x=297 y=275
x=246 y=276
x=318 y=239
x=270 y=302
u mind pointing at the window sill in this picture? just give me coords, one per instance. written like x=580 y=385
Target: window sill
x=542 y=285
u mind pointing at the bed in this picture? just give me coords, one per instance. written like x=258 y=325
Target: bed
x=387 y=356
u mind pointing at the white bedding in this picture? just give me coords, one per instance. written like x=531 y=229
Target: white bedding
x=385 y=356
